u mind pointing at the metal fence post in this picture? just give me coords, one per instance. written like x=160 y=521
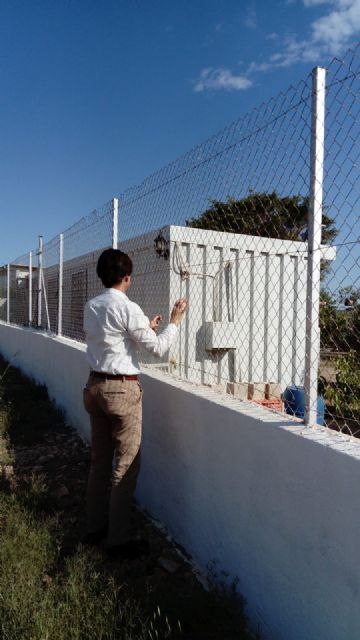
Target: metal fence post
x=60 y=298
x=115 y=219
x=30 y=287
x=40 y=279
x=312 y=341
x=8 y=294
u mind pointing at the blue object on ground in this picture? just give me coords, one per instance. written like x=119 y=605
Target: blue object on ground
x=294 y=402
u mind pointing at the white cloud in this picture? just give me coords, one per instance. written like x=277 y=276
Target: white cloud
x=250 y=20
x=272 y=36
x=217 y=79
x=335 y=30
x=314 y=3
x=330 y=34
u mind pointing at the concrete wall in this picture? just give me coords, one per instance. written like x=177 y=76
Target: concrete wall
x=59 y=363
x=268 y=500
x=258 y=305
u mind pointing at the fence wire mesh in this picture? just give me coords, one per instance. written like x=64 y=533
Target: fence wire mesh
x=240 y=204
x=3 y=293
x=19 y=290
x=83 y=243
x=227 y=226
x=47 y=314
x=340 y=295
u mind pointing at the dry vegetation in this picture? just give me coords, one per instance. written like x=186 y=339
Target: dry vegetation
x=53 y=587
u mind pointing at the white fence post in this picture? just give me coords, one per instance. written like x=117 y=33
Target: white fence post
x=40 y=279
x=30 y=287
x=115 y=219
x=312 y=342
x=60 y=298
x=8 y=294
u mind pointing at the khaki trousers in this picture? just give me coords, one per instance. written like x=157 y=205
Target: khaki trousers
x=115 y=409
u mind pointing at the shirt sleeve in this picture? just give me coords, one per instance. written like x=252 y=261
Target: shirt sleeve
x=86 y=319
x=138 y=327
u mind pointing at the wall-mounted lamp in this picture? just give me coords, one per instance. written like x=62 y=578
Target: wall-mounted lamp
x=161 y=246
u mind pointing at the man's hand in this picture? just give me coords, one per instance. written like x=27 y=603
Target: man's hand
x=178 y=311
x=154 y=323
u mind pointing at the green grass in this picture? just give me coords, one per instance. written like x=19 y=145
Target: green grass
x=49 y=594
x=44 y=596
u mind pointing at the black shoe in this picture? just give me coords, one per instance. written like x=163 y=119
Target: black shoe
x=129 y=550
x=94 y=538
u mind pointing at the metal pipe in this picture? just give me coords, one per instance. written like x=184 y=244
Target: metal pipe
x=312 y=341
x=30 y=287
x=60 y=298
x=115 y=222
x=40 y=279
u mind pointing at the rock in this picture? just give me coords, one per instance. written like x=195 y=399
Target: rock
x=45 y=459
x=7 y=471
x=62 y=491
x=169 y=565
x=47 y=580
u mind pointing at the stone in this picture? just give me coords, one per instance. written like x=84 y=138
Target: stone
x=62 y=491
x=169 y=565
x=45 y=459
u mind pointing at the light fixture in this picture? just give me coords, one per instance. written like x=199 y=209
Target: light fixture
x=161 y=246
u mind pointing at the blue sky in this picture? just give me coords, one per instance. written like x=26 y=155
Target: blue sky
x=97 y=95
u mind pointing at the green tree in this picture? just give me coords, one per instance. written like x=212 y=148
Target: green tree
x=263 y=214
x=349 y=296
x=339 y=328
x=332 y=324
x=343 y=395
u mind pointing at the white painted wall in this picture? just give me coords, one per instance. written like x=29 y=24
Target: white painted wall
x=258 y=305
x=59 y=363
x=270 y=501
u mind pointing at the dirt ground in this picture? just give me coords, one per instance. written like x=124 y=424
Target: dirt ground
x=42 y=444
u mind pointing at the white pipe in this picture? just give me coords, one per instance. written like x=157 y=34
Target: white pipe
x=312 y=341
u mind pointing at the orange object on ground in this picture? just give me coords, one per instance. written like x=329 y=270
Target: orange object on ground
x=275 y=404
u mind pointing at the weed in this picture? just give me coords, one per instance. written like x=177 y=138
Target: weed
x=46 y=593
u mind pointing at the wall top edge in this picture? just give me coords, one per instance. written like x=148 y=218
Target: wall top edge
x=347 y=445
x=321 y=436
x=80 y=346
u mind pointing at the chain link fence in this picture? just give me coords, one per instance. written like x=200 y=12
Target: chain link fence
x=83 y=244
x=238 y=204
x=259 y=228
x=340 y=295
x=19 y=290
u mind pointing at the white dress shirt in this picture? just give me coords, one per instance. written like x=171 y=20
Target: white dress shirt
x=116 y=328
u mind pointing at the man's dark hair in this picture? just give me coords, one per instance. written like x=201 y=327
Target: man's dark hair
x=113 y=265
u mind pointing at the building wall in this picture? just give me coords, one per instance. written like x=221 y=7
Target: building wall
x=257 y=303
x=268 y=500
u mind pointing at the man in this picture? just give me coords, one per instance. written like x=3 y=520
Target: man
x=115 y=329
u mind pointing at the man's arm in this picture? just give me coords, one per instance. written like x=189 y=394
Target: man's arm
x=154 y=323
x=139 y=329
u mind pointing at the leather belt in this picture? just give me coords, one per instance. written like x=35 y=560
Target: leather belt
x=112 y=376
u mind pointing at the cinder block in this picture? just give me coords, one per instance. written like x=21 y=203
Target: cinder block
x=256 y=391
x=238 y=389
x=273 y=390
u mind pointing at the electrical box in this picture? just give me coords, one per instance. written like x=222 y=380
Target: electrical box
x=220 y=335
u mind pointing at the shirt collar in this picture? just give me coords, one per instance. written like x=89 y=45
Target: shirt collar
x=116 y=292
